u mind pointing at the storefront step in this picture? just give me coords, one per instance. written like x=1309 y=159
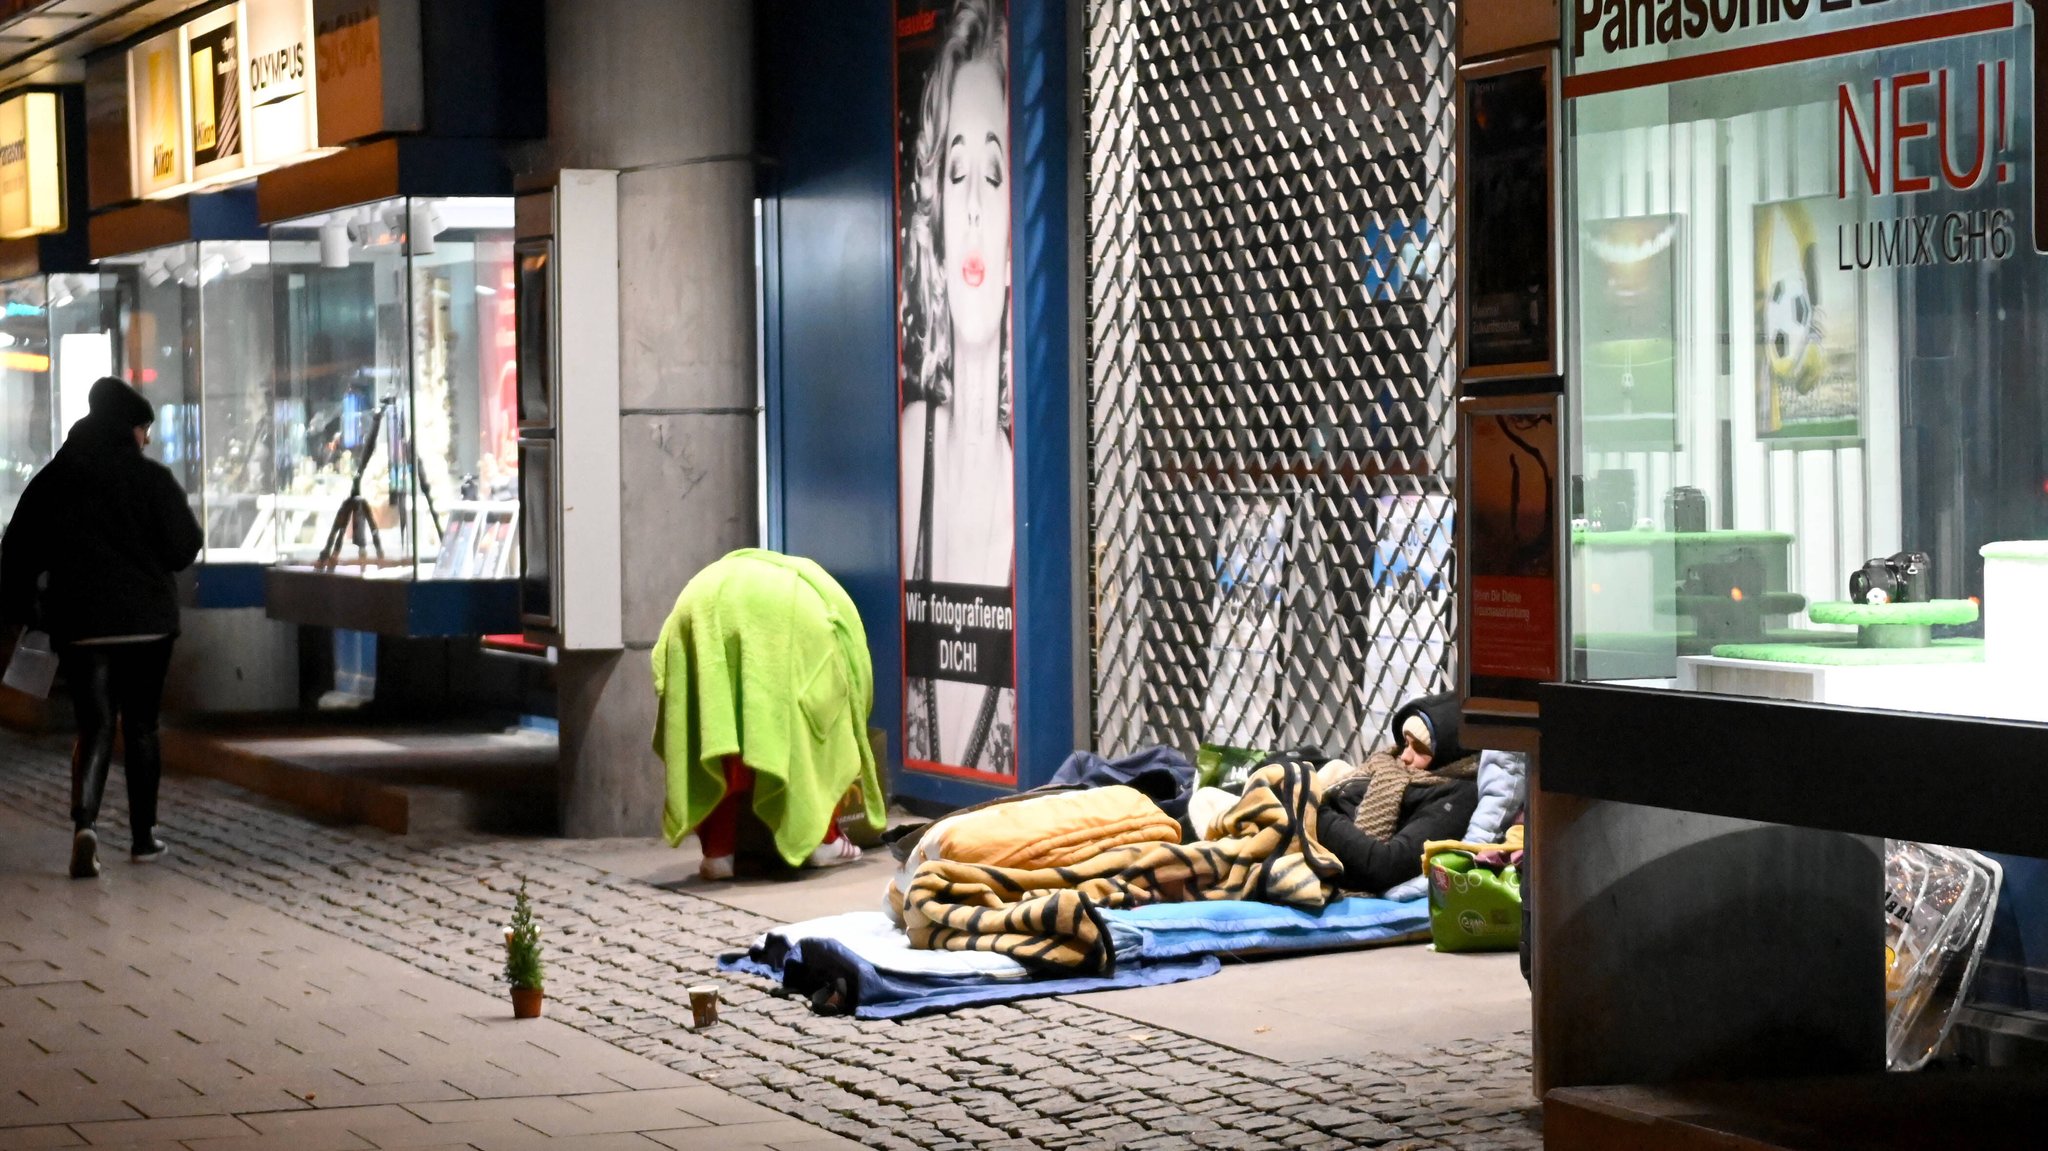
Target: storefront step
x=1981 y=1110
x=31 y=716
x=409 y=781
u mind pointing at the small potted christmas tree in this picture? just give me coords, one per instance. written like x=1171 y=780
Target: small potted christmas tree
x=522 y=958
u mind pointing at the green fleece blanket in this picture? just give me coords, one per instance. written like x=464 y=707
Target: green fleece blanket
x=764 y=657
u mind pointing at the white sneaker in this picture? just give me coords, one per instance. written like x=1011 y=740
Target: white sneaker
x=715 y=867
x=836 y=853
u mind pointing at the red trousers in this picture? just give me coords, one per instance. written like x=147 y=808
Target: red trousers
x=720 y=831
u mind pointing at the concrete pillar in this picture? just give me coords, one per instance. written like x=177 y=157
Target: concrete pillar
x=662 y=91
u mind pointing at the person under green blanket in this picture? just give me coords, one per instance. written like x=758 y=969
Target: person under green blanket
x=1377 y=817
x=764 y=687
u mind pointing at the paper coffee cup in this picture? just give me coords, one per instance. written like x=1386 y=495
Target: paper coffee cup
x=704 y=1005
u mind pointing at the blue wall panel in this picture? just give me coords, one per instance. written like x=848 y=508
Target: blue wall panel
x=829 y=335
x=1046 y=438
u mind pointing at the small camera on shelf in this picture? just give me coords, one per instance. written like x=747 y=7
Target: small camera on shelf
x=1907 y=577
x=1612 y=500
x=1685 y=510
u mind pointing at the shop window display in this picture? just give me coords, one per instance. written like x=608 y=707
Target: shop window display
x=54 y=343
x=1811 y=310
x=194 y=334
x=397 y=425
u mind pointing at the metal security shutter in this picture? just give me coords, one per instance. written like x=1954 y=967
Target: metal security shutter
x=1270 y=373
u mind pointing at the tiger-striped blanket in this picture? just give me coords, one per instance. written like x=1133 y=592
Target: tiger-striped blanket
x=1048 y=917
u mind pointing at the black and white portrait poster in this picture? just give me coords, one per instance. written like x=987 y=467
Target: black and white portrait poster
x=956 y=387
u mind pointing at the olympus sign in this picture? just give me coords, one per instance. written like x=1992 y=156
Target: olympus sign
x=285 y=65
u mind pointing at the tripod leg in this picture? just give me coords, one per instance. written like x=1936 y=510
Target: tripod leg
x=336 y=538
x=375 y=539
x=433 y=513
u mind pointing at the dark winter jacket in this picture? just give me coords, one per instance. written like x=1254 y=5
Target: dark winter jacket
x=98 y=536
x=1441 y=811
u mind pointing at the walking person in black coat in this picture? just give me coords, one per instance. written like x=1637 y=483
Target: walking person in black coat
x=90 y=557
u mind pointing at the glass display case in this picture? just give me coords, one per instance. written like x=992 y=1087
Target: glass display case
x=194 y=324
x=54 y=342
x=1809 y=439
x=397 y=418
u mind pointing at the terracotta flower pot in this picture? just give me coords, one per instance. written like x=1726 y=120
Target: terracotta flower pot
x=526 y=1002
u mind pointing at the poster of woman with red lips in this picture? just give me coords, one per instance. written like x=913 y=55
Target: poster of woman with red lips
x=957 y=521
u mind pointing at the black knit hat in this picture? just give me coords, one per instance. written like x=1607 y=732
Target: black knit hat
x=115 y=402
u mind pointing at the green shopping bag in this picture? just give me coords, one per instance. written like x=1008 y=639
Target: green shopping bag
x=1218 y=766
x=1472 y=907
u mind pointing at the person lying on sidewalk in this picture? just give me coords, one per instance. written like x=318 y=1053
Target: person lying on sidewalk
x=1377 y=818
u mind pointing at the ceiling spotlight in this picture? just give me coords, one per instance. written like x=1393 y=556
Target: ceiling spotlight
x=334 y=243
x=155 y=272
x=423 y=224
x=238 y=259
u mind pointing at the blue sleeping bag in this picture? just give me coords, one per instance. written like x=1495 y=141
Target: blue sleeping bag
x=1236 y=927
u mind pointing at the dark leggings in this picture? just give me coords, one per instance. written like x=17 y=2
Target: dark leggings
x=113 y=682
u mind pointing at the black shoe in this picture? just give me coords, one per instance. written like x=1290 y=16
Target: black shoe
x=85 y=849
x=148 y=851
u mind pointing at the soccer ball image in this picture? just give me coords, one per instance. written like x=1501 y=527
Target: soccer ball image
x=1792 y=333
x=1790 y=321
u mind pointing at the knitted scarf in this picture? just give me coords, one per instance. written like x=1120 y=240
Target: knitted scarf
x=1388 y=783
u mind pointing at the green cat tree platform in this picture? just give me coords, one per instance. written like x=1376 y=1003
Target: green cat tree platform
x=1895 y=626
x=1886 y=634
x=1845 y=654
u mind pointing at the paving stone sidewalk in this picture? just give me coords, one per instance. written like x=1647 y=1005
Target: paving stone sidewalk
x=1042 y=1074
x=149 y=1011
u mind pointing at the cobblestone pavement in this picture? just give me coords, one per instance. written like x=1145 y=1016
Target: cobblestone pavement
x=1041 y=1074
x=149 y=1012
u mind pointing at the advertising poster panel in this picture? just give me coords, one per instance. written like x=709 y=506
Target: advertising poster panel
x=158 y=113
x=1511 y=546
x=213 y=57
x=956 y=387
x=280 y=54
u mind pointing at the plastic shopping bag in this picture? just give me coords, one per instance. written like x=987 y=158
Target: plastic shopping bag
x=33 y=670
x=1218 y=766
x=1472 y=907
x=1939 y=903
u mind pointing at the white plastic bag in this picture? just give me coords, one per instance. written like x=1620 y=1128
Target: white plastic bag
x=33 y=670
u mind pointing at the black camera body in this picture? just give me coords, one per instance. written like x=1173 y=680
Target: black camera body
x=1907 y=577
x=1612 y=505
x=1685 y=510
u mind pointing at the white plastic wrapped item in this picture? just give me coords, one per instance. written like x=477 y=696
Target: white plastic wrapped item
x=33 y=668
x=1938 y=906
